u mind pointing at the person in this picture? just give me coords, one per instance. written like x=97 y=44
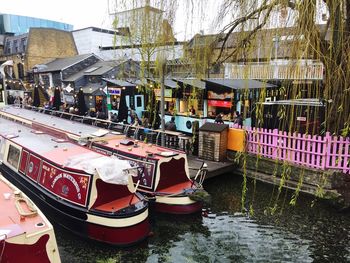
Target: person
x=136 y=121
x=114 y=117
x=218 y=118
x=101 y=115
x=145 y=121
x=25 y=101
x=170 y=125
x=17 y=101
x=156 y=122
x=238 y=119
x=132 y=115
x=192 y=110
x=114 y=104
x=46 y=105
x=98 y=105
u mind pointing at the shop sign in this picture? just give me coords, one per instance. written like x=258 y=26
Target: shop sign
x=220 y=103
x=167 y=92
x=114 y=91
x=219 y=96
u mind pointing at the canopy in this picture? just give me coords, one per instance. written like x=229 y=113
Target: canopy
x=36 y=99
x=168 y=83
x=197 y=83
x=119 y=82
x=81 y=102
x=57 y=99
x=109 y=168
x=238 y=83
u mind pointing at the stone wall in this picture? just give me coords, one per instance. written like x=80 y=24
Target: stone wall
x=47 y=44
x=330 y=185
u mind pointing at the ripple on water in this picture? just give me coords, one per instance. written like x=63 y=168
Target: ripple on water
x=237 y=239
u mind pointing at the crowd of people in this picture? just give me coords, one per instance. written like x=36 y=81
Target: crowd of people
x=238 y=119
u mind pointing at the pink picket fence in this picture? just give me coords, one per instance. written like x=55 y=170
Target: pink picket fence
x=320 y=152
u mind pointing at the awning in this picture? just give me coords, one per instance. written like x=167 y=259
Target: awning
x=197 y=83
x=168 y=83
x=119 y=82
x=95 y=91
x=137 y=82
x=239 y=83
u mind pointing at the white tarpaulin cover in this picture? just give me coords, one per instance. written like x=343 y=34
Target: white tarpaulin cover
x=109 y=168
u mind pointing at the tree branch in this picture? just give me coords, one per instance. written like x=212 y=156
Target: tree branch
x=233 y=25
x=246 y=39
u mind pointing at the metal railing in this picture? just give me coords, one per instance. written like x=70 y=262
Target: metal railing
x=172 y=140
x=290 y=71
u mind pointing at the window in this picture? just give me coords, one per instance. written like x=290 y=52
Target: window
x=23 y=44
x=15 y=47
x=20 y=69
x=138 y=102
x=13 y=156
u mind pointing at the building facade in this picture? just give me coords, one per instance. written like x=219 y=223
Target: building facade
x=37 y=47
x=17 y=25
x=92 y=40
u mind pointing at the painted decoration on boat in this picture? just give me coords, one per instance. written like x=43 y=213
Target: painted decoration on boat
x=148 y=166
x=147 y=177
x=33 y=167
x=23 y=163
x=68 y=185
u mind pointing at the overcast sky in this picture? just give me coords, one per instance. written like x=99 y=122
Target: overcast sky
x=85 y=13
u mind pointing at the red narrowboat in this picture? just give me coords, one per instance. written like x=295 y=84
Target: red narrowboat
x=165 y=179
x=25 y=233
x=89 y=193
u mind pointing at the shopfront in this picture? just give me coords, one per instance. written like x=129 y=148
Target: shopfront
x=169 y=100
x=95 y=98
x=229 y=95
x=191 y=96
x=114 y=94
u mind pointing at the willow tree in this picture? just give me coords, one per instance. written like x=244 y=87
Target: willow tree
x=242 y=31
x=326 y=40
x=148 y=28
x=328 y=43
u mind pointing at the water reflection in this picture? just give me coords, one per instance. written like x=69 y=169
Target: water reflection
x=223 y=234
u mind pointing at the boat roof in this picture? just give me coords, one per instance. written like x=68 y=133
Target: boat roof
x=11 y=222
x=56 y=150
x=84 y=130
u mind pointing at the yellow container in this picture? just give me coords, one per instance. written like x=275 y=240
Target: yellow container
x=236 y=140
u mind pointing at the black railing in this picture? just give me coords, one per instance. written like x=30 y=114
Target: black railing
x=172 y=139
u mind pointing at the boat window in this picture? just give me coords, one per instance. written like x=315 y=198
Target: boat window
x=13 y=156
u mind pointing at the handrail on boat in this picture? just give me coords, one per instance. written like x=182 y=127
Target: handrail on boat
x=133 y=194
x=137 y=132
x=201 y=173
x=30 y=205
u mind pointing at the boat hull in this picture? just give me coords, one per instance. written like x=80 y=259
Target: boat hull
x=133 y=229
x=24 y=252
x=176 y=205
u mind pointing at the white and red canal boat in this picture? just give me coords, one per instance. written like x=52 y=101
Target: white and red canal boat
x=89 y=193
x=165 y=179
x=25 y=233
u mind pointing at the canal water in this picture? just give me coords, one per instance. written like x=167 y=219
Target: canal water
x=311 y=231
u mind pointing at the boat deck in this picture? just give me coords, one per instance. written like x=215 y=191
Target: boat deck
x=72 y=127
x=108 y=139
x=12 y=223
x=43 y=144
